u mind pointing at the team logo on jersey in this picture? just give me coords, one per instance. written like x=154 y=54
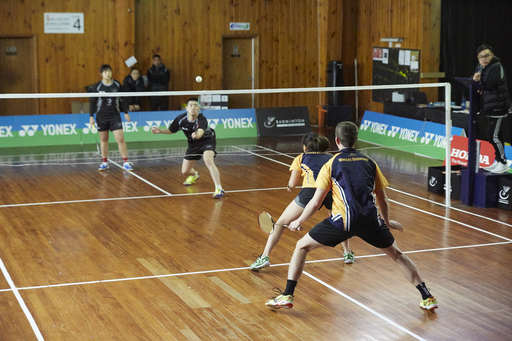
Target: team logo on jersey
x=88 y=128
x=151 y=124
x=29 y=130
x=270 y=122
x=433 y=181
x=213 y=122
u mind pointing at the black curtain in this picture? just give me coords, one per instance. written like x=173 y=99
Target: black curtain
x=467 y=24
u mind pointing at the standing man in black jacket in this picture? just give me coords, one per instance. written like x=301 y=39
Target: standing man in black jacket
x=495 y=102
x=158 y=77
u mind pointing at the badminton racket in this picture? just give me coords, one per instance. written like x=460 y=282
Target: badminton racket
x=266 y=223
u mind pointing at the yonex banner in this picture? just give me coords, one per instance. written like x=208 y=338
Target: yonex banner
x=413 y=136
x=69 y=129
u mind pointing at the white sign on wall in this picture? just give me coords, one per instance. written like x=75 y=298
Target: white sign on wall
x=64 y=23
x=239 y=26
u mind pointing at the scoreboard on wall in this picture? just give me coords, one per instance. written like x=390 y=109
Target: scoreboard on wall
x=394 y=66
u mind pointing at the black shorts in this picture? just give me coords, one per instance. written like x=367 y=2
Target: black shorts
x=372 y=230
x=306 y=194
x=106 y=123
x=196 y=149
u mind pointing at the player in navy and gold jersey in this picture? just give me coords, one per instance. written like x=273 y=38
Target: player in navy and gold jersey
x=356 y=181
x=201 y=142
x=306 y=165
x=108 y=111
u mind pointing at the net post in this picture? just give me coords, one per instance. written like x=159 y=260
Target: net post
x=448 y=126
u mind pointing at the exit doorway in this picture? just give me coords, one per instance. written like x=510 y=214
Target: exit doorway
x=18 y=64
x=239 y=69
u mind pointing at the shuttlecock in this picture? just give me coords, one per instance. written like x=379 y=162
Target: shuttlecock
x=199 y=79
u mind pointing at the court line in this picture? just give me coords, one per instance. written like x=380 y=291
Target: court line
x=264 y=157
x=240 y=268
x=450 y=219
x=451 y=207
x=141 y=178
x=133 y=198
x=382 y=317
x=21 y=302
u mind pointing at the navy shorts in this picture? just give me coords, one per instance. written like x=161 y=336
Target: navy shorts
x=372 y=230
x=196 y=149
x=106 y=123
x=306 y=194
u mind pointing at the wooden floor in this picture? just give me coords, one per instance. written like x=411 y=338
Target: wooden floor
x=118 y=256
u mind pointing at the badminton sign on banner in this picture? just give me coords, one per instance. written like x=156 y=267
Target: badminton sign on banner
x=413 y=136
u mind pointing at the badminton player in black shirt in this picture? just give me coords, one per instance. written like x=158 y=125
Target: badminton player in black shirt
x=108 y=116
x=201 y=142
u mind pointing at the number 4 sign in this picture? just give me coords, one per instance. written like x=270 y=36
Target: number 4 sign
x=63 y=23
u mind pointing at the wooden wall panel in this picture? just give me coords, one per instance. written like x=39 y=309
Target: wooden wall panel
x=296 y=39
x=69 y=62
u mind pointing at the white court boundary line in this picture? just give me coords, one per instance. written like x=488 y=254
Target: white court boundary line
x=134 y=198
x=21 y=302
x=382 y=317
x=237 y=269
x=451 y=220
x=141 y=178
x=451 y=207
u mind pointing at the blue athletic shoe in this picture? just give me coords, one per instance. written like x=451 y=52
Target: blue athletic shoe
x=103 y=166
x=127 y=167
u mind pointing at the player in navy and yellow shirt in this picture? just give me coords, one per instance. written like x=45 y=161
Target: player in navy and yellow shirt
x=201 y=143
x=356 y=182
x=306 y=166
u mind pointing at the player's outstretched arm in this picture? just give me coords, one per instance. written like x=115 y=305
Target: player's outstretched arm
x=156 y=130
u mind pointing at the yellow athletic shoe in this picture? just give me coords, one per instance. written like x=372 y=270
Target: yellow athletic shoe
x=281 y=301
x=191 y=179
x=219 y=193
x=429 y=304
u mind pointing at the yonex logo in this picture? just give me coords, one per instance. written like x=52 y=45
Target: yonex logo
x=427 y=138
x=432 y=182
x=270 y=122
x=151 y=124
x=394 y=130
x=213 y=123
x=29 y=130
x=88 y=128
x=365 y=124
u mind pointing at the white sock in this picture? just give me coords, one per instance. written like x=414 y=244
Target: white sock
x=218 y=187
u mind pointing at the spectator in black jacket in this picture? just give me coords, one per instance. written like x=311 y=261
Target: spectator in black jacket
x=133 y=83
x=158 y=77
x=495 y=102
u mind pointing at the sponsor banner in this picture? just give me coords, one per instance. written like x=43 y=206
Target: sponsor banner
x=283 y=121
x=69 y=129
x=459 y=152
x=413 y=136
